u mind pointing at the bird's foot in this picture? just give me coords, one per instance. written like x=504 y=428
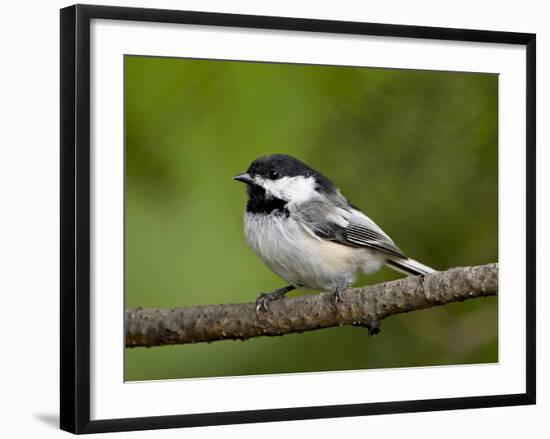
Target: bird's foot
x=337 y=293
x=263 y=300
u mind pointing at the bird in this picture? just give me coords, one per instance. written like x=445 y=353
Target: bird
x=302 y=227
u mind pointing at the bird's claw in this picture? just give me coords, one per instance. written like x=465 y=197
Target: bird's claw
x=337 y=293
x=262 y=302
x=264 y=299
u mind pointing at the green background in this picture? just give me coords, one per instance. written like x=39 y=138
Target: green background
x=415 y=150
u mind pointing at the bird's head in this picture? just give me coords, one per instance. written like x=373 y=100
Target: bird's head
x=285 y=178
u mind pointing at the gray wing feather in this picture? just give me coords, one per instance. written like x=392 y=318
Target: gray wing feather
x=346 y=225
x=363 y=231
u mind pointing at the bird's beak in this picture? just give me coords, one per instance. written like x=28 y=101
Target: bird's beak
x=244 y=178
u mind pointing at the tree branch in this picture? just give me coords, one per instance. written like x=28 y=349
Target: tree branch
x=365 y=306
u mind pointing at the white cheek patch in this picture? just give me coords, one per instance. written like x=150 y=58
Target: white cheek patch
x=292 y=189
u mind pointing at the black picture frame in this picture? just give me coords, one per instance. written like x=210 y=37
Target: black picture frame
x=75 y=217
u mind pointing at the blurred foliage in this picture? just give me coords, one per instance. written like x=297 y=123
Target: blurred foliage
x=416 y=150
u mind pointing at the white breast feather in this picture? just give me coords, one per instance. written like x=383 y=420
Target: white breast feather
x=296 y=254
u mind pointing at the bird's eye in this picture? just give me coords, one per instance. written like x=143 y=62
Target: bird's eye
x=274 y=175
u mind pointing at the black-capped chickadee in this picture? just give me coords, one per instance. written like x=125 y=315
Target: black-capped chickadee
x=306 y=232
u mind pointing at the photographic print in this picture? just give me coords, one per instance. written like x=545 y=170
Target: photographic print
x=242 y=178
x=305 y=218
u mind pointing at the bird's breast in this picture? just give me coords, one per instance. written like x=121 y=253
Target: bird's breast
x=297 y=255
x=271 y=236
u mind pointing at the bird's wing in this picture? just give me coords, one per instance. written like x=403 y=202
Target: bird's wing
x=348 y=226
x=364 y=231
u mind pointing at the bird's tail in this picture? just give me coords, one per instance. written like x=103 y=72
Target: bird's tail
x=409 y=266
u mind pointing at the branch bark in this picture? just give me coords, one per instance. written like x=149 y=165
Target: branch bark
x=365 y=306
